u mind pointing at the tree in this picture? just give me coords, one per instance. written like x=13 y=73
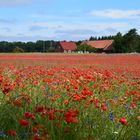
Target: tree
x=138 y=47
x=92 y=38
x=131 y=40
x=30 y=47
x=40 y=46
x=118 y=46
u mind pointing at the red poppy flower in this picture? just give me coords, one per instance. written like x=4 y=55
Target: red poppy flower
x=66 y=102
x=12 y=133
x=39 y=109
x=24 y=122
x=29 y=115
x=71 y=116
x=138 y=117
x=123 y=121
x=52 y=115
x=35 y=129
x=134 y=105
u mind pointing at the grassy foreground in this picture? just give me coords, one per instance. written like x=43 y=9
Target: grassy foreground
x=65 y=97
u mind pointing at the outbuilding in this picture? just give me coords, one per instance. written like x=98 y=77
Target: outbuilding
x=100 y=45
x=67 y=46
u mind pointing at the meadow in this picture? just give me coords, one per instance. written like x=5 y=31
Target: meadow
x=69 y=97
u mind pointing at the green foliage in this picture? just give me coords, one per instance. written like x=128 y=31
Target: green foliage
x=131 y=40
x=118 y=44
x=101 y=38
x=85 y=47
x=138 y=47
x=18 y=50
x=127 y=43
x=51 y=49
x=93 y=38
x=74 y=102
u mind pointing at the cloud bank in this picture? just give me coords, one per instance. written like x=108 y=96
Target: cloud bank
x=116 y=13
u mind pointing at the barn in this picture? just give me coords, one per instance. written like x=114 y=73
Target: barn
x=100 y=45
x=67 y=46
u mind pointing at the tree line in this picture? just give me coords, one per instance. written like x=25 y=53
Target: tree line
x=129 y=42
x=38 y=46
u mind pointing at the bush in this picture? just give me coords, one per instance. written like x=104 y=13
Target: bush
x=86 y=48
x=18 y=50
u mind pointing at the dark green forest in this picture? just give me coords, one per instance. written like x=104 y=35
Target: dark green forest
x=127 y=43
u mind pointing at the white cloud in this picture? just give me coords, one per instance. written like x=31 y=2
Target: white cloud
x=76 y=32
x=61 y=30
x=88 y=26
x=116 y=13
x=70 y=31
x=22 y=37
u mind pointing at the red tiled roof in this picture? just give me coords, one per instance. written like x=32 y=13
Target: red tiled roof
x=100 y=44
x=68 y=45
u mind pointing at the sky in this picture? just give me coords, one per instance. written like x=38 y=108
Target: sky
x=32 y=20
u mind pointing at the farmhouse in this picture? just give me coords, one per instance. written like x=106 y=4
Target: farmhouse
x=100 y=45
x=67 y=46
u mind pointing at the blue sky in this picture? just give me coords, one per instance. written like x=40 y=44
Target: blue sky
x=31 y=20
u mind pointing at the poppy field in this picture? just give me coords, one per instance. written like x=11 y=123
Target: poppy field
x=69 y=97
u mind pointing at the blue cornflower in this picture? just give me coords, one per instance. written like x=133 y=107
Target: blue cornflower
x=116 y=97
x=88 y=121
x=24 y=135
x=127 y=106
x=135 y=138
x=49 y=95
x=111 y=116
x=2 y=134
x=118 y=126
